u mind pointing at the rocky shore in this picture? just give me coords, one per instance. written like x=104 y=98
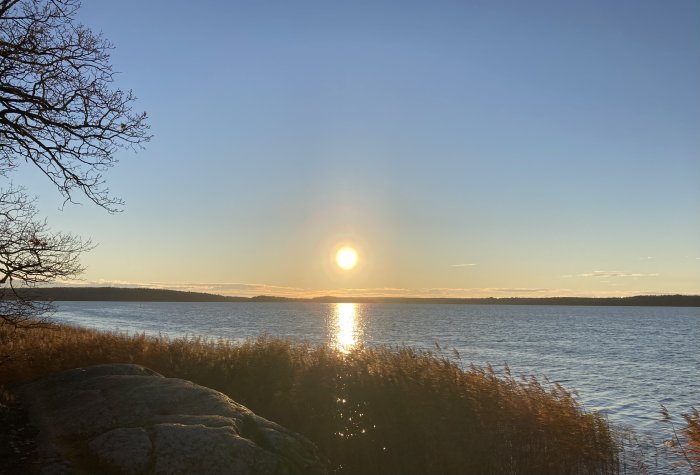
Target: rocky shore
x=127 y=419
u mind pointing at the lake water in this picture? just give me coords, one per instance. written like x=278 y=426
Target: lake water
x=623 y=361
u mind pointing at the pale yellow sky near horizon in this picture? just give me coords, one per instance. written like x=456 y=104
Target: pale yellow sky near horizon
x=299 y=260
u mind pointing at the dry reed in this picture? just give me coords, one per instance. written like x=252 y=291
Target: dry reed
x=692 y=434
x=373 y=410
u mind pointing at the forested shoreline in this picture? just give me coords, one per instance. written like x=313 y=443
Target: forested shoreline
x=165 y=295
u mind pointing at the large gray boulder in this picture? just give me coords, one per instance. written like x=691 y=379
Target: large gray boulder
x=123 y=418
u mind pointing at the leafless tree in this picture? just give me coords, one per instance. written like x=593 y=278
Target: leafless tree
x=31 y=254
x=60 y=111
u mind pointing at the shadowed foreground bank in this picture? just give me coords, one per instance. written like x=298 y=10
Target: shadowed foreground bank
x=373 y=410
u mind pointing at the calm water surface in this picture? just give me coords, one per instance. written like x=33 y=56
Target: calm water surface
x=623 y=361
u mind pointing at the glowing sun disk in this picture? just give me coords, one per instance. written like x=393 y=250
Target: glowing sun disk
x=346 y=258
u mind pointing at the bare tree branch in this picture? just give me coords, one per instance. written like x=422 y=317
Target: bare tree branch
x=31 y=254
x=60 y=111
x=58 y=107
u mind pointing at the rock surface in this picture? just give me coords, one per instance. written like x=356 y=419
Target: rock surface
x=123 y=418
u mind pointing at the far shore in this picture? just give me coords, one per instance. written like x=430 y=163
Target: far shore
x=124 y=294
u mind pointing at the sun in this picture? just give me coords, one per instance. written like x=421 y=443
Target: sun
x=346 y=258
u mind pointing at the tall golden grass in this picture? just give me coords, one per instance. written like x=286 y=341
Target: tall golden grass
x=373 y=410
x=686 y=443
x=692 y=434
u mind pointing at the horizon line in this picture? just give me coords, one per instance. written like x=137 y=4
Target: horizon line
x=371 y=297
x=248 y=290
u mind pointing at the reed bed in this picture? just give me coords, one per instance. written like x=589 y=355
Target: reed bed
x=374 y=410
x=692 y=434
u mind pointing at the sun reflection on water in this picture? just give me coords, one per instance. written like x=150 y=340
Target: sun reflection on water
x=346 y=324
x=346 y=329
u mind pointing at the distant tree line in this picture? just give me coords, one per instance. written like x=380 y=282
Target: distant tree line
x=118 y=294
x=638 y=300
x=163 y=295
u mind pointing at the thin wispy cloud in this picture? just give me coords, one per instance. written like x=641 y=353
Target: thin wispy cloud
x=463 y=265
x=603 y=273
x=221 y=288
x=238 y=289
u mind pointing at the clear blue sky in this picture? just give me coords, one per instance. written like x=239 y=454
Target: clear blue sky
x=554 y=146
